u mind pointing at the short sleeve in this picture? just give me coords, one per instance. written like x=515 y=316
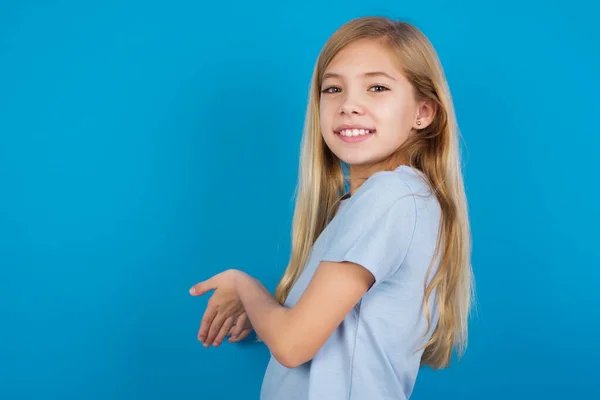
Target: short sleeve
x=375 y=227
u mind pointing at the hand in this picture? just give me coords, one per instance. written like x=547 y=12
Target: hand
x=224 y=313
x=241 y=329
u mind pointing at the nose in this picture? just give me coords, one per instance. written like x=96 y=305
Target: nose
x=351 y=105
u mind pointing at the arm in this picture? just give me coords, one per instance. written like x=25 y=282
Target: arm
x=371 y=241
x=294 y=335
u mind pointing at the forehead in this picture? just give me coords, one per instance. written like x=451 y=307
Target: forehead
x=364 y=56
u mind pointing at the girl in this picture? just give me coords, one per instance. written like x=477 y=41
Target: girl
x=379 y=281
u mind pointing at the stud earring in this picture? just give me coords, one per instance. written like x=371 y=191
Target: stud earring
x=419 y=123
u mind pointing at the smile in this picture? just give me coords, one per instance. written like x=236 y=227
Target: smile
x=355 y=135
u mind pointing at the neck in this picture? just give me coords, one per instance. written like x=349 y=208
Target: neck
x=360 y=173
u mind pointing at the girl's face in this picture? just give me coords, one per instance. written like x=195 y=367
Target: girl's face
x=367 y=107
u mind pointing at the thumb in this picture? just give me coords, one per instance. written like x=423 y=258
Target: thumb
x=200 y=288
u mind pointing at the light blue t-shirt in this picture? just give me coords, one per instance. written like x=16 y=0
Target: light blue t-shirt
x=389 y=226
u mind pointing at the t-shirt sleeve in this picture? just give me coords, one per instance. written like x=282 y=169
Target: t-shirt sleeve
x=375 y=227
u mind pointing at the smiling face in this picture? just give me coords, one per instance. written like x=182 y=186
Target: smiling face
x=367 y=107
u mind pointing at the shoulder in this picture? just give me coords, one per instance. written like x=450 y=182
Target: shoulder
x=385 y=195
x=386 y=186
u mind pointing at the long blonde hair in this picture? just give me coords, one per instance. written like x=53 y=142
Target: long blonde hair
x=434 y=151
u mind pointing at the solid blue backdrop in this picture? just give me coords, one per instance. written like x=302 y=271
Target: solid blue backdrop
x=146 y=146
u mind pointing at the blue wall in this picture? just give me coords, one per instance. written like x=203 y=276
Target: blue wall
x=145 y=146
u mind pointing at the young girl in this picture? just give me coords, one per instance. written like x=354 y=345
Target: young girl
x=379 y=281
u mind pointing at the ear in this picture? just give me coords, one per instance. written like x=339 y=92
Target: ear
x=426 y=110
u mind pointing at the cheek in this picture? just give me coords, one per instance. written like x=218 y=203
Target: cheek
x=326 y=115
x=394 y=115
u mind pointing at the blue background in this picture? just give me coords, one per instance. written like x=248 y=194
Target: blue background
x=145 y=146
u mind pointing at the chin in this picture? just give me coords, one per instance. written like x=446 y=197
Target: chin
x=357 y=161
x=363 y=160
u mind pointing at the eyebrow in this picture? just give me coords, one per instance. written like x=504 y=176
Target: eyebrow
x=366 y=74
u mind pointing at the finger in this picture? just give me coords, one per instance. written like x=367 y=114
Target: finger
x=224 y=329
x=231 y=330
x=215 y=327
x=207 y=320
x=202 y=287
x=244 y=334
x=239 y=325
x=241 y=337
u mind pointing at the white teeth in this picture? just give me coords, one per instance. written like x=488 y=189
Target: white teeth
x=355 y=132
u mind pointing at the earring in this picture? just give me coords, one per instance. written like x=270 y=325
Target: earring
x=419 y=123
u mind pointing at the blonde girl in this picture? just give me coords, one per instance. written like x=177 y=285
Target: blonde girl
x=379 y=280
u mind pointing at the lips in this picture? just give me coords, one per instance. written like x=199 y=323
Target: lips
x=355 y=135
x=355 y=132
x=353 y=128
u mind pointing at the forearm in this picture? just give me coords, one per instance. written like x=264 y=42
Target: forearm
x=270 y=320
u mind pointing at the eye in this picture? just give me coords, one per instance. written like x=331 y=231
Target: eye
x=379 y=88
x=330 y=89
